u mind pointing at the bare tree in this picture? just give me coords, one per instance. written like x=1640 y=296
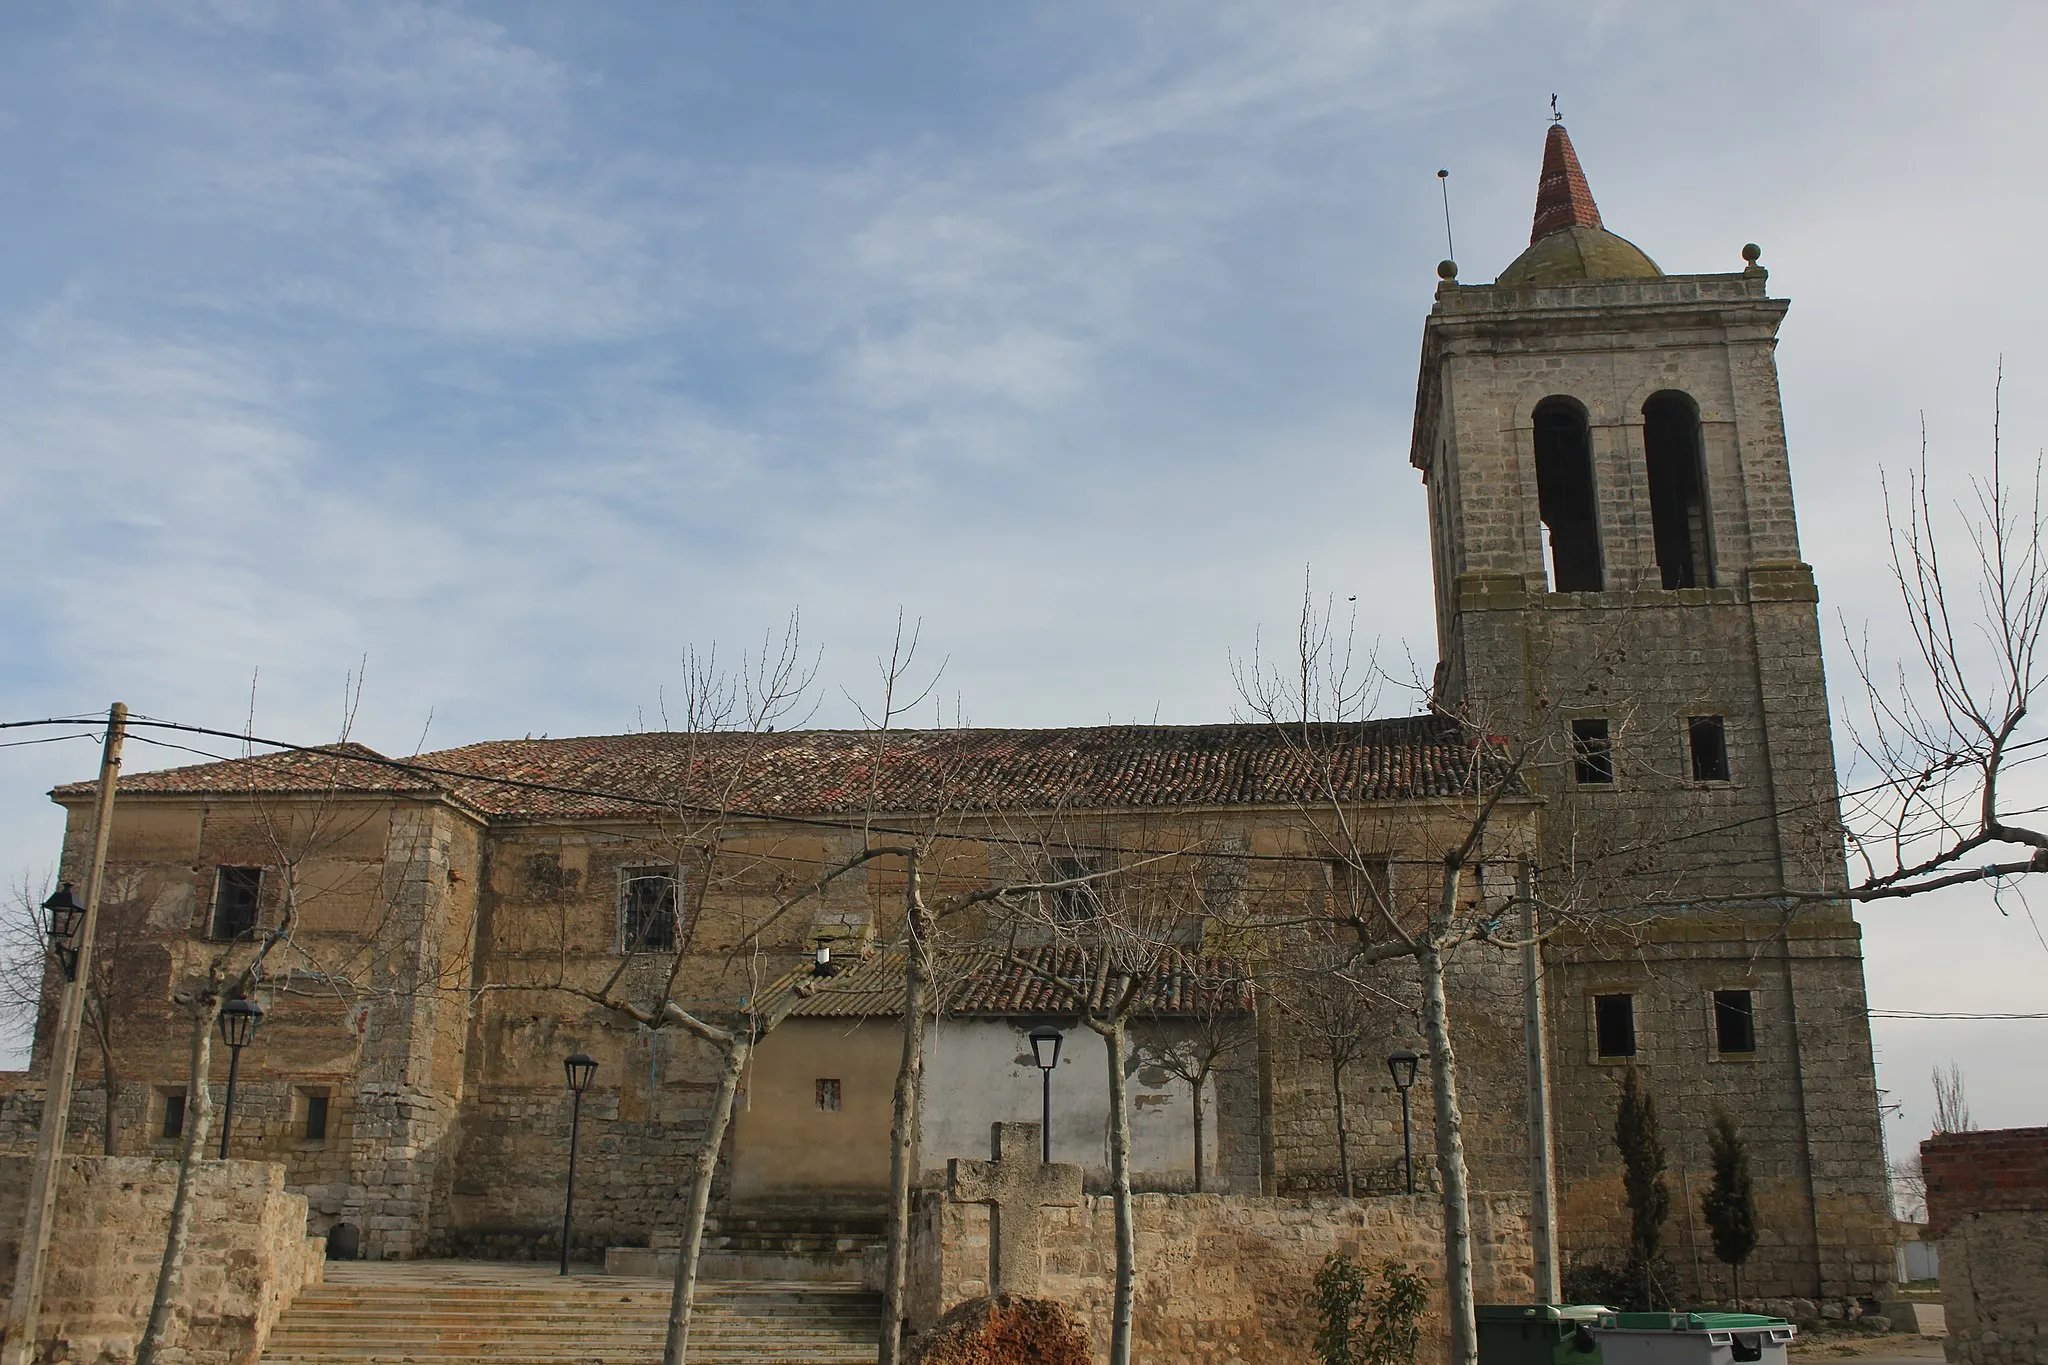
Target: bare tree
x=1312 y=700
x=1951 y=1105
x=127 y=964
x=1219 y=1031
x=1943 y=729
x=1120 y=925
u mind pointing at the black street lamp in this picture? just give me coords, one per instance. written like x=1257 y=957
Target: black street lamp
x=66 y=913
x=581 y=1068
x=1402 y=1064
x=1045 y=1050
x=822 y=965
x=238 y=1021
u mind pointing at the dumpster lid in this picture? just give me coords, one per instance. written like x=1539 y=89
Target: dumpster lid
x=1540 y=1312
x=1688 y=1322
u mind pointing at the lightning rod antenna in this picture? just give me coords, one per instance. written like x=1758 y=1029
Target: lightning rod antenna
x=1443 y=181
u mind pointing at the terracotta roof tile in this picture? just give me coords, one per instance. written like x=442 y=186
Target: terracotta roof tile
x=994 y=986
x=824 y=772
x=1563 y=199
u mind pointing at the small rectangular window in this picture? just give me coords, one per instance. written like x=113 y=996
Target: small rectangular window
x=828 y=1094
x=647 y=909
x=1074 y=904
x=1592 y=752
x=1358 y=889
x=174 y=1114
x=316 y=1116
x=1734 y=1021
x=1614 y=1025
x=1708 y=738
x=237 y=892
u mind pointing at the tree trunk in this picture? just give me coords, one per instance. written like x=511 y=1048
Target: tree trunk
x=1450 y=1158
x=1198 y=1133
x=198 y=1119
x=1120 y=1196
x=903 y=1129
x=110 y=1086
x=705 y=1167
x=1343 y=1130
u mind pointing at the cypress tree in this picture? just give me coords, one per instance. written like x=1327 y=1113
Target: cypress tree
x=1642 y=1171
x=1729 y=1203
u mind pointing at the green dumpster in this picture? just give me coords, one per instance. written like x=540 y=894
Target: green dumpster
x=1539 y=1334
x=1693 y=1339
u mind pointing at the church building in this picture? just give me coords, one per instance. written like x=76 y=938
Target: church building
x=1621 y=607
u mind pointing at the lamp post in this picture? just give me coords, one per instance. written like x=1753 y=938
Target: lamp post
x=580 y=1068
x=1045 y=1050
x=238 y=1021
x=1401 y=1063
x=66 y=913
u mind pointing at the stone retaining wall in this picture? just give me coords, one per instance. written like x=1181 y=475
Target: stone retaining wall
x=247 y=1260
x=1987 y=1200
x=1219 y=1276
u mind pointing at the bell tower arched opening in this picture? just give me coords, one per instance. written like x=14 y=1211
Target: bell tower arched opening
x=1678 y=502
x=1564 y=496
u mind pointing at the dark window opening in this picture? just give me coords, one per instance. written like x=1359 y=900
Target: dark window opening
x=174 y=1114
x=828 y=1093
x=237 y=892
x=1592 y=753
x=647 y=910
x=1358 y=890
x=1734 y=1021
x=1614 y=1025
x=1678 y=501
x=316 y=1117
x=1708 y=738
x=1564 y=496
x=1072 y=904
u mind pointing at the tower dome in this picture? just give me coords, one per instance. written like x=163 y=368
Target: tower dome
x=1567 y=242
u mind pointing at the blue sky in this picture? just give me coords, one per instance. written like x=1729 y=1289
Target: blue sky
x=504 y=350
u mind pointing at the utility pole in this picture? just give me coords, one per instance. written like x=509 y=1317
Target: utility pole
x=1536 y=1039
x=18 y=1335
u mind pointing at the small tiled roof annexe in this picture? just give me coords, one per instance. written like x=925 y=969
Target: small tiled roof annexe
x=825 y=772
x=994 y=985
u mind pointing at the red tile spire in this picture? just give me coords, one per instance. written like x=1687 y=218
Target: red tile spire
x=1562 y=198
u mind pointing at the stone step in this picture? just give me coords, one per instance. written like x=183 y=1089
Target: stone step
x=451 y=1313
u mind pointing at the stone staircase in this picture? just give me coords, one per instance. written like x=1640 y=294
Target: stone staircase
x=812 y=1241
x=454 y=1312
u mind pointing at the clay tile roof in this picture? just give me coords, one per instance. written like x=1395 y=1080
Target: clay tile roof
x=341 y=768
x=994 y=986
x=829 y=772
x=1563 y=200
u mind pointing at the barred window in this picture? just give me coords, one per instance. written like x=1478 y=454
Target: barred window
x=237 y=893
x=1073 y=904
x=648 y=897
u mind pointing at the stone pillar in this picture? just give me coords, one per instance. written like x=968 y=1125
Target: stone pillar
x=409 y=1081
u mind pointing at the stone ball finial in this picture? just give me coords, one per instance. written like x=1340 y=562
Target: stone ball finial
x=1447 y=270
x=1752 y=252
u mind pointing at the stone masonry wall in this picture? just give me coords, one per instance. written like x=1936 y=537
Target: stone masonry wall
x=247 y=1260
x=1219 y=1276
x=1987 y=1200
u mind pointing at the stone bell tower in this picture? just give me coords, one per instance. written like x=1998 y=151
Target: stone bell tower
x=1619 y=590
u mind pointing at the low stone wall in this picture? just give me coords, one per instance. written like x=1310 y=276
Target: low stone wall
x=1219 y=1276
x=248 y=1257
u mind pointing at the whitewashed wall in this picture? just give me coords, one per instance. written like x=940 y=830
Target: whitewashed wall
x=980 y=1072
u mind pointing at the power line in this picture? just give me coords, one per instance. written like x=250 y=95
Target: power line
x=1947 y=1014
